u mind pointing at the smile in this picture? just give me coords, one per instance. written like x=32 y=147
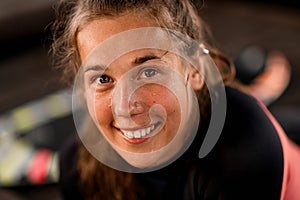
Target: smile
x=140 y=133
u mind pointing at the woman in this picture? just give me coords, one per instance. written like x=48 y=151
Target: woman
x=151 y=108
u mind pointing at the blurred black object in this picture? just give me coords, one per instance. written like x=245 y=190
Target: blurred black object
x=289 y=118
x=25 y=71
x=292 y=3
x=250 y=63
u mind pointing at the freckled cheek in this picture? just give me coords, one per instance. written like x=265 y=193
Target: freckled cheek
x=167 y=99
x=103 y=110
x=158 y=94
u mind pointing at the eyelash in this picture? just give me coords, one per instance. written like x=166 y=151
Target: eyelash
x=103 y=76
x=95 y=82
x=144 y=71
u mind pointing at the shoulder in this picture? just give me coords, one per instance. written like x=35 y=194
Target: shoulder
x=247 y=159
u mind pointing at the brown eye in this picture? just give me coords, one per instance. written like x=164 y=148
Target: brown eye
x=103 y=79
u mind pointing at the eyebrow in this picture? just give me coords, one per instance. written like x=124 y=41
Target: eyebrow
x=137 y=61
x=95 y=68
x=146 y=58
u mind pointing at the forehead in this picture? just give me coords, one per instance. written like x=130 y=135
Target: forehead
x=100 y=29
x=133 y=46
x=105 y=40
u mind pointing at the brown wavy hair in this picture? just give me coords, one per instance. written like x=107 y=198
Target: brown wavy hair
x=99 y=181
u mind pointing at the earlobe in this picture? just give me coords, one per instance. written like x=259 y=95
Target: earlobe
x=196 y=79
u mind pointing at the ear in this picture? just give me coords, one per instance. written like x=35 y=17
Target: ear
x=196 y=75
x=196 y=79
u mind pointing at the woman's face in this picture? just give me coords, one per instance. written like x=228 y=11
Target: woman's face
x=129 y=116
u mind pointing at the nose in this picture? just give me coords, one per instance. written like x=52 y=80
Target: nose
x=126 y=107
x=136 y=108
x=126 y=102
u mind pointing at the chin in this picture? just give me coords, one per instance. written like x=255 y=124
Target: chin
x=150 y=160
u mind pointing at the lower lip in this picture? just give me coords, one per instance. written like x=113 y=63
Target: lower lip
x=135 y=140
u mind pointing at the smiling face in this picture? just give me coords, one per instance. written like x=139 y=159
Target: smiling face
x=131 y=99
x=125 y=99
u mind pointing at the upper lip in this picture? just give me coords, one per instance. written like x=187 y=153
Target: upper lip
x=132 y=126
x=136 y=128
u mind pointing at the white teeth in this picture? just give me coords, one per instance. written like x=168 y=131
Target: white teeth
x=138 y=133
x=143 y=132
x=148 y=130
x=128 y=134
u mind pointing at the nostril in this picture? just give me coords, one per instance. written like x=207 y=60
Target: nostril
x=123 y=107
x=136 y=108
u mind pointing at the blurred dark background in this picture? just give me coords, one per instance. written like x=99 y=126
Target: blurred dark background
x=26 y=73
x=271 y=24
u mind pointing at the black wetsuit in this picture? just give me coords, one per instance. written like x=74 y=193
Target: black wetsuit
x=246 y=163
